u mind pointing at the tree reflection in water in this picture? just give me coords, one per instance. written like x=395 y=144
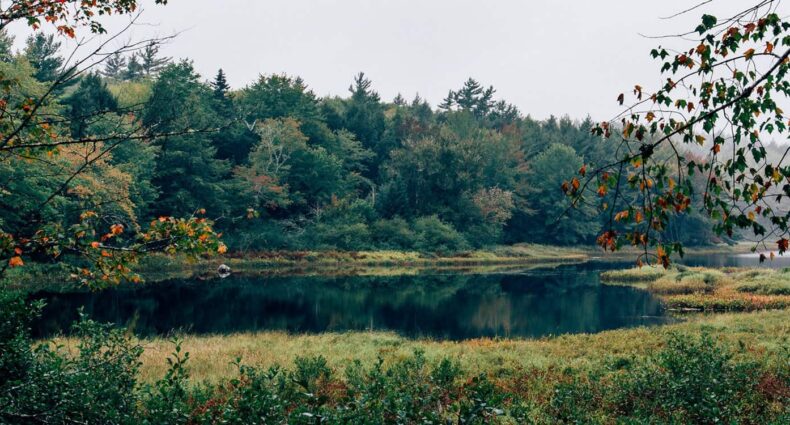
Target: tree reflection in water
x=568 y=299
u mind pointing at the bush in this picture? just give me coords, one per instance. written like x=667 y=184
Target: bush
x=265 y=234
x=433 y=235
x=341 y=225
x=44 y=385
x=343 y=236
x=692 y=380
x=393 y=234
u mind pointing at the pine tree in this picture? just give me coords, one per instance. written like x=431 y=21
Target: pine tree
x=220 y=86
x=134 y=70
x=150 y=62
x=188 y=174
x=90 y=101
x=115 y=66
x=364 y=117
x=471 y=97
x=6 y=44
x=42 y=52
x=399 y=100
x=235 y=139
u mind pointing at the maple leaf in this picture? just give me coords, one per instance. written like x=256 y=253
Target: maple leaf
x=16 y=262
x=783 y=245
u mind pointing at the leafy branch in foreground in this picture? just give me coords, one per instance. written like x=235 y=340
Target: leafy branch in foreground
x=705 y=128
x=68 y=195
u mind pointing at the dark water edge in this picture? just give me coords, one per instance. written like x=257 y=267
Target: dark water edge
x=565 y=299
x=442 y=305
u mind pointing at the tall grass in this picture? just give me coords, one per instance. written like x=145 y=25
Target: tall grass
x=696 y=288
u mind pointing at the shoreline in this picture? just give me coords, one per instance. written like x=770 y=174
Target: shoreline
x=159 y=267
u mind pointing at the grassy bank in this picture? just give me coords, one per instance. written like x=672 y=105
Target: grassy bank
x=160 y=267
x=211 y=356
x=696 y=288
x=503 y=255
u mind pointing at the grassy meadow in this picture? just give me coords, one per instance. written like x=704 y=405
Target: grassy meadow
x=765 y=333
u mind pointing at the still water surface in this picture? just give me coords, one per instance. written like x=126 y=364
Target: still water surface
x=533 y=303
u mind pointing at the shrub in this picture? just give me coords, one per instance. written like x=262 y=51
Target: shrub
x=692 y=380
x=393 y=234
x=341 y=225
x=265 y=234
x=343 y=236
x=434 y=235
x=43 y=385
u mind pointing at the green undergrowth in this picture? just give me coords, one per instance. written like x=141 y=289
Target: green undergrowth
x=723 y=369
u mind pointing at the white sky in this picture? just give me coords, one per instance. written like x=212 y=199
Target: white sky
x=547 y=57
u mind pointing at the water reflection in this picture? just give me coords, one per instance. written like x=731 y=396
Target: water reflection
x=736 y=260
x=552 y=301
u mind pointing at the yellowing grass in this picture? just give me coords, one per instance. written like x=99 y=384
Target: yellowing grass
x=211 y=356
x=698 y=288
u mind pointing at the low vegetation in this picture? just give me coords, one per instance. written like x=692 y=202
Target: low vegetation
x=729 y=368
x=696 y=288
x=160 y=267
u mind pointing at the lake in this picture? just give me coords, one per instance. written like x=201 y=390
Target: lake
x=531 y=303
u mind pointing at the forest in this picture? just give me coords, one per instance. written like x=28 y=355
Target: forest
x=278 y=167
x=178 y=250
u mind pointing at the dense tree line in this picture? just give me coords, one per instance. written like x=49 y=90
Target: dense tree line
x=281 y=168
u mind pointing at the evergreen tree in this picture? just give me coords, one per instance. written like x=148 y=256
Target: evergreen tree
x=222 y=100
x=399 y=100
x=364 y=116
x=472 y=97
x=6 y=46
x=150 y=61
x=220 y=85
x=115 y=66
x=187 y=173
x=134 y=69
x=42 y=52
x=235 y=139
x=89 y=104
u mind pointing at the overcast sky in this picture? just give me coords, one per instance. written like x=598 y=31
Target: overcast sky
x=547 y=57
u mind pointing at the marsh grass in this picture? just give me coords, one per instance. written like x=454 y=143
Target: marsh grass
x=763 y=282
x=690 y=281
x=697 y=288
x=212 y=356
x=644 y=274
